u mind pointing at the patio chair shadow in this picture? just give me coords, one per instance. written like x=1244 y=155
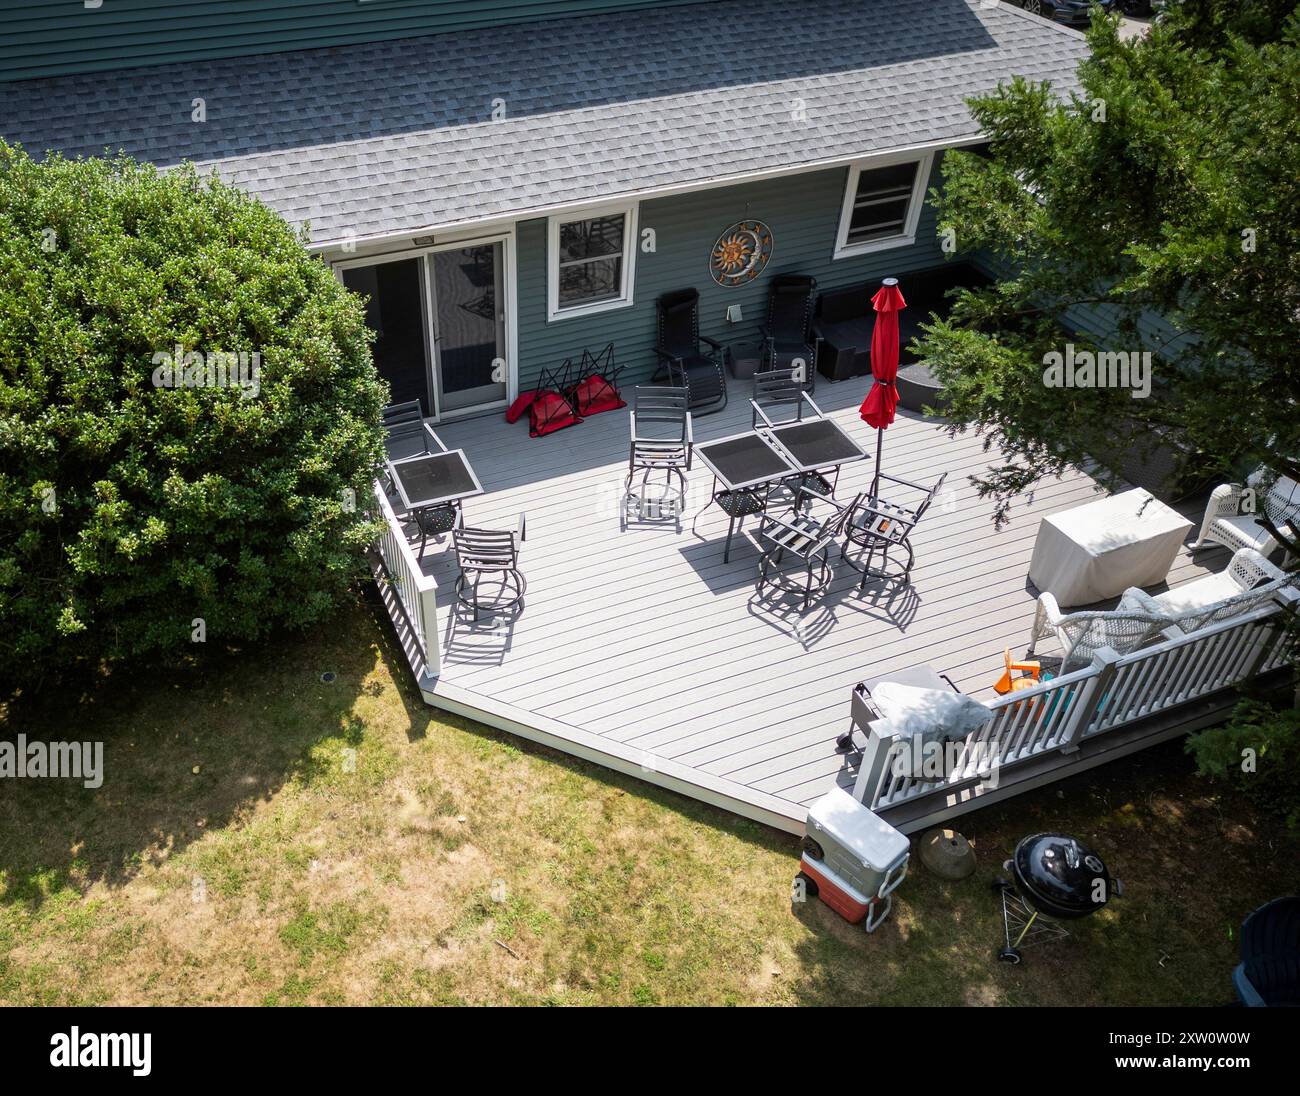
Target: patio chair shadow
x=783 y=610
x=482 y=642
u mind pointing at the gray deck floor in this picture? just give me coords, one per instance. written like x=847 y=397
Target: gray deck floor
x=641 y=638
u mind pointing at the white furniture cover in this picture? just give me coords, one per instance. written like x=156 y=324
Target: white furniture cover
x=1098 y=550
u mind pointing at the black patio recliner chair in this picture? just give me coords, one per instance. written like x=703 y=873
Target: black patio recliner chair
x=687 y=364
x=1268 y=975
x=788 y=335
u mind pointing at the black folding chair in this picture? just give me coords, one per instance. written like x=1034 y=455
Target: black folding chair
x=493 y=555
x=403 y=425
x=878 y=525
x=786 y=341
x=807 y=533
x=685 y=363
x=662 y=440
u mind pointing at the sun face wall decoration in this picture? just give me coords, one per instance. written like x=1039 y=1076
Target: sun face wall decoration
x=741 y=253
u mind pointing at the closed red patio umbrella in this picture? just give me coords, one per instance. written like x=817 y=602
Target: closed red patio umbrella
x=878 y=408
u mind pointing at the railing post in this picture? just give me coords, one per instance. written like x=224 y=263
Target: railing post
x=1276 y=632
x=1088 y=698
x=872 y=770
x=429 y=626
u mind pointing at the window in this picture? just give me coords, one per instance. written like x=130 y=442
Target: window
x=882 y=204
x=591 y=261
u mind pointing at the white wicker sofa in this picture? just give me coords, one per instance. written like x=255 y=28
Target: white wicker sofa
x=1249 y=580
x=1143 y=618
x=1082 y=634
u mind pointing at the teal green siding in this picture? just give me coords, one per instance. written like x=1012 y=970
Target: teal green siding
x=56 y=37
x=803 y=212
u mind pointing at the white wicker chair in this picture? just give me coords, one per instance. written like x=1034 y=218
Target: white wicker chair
x=1225 y=524
x=1081 y=635
x=1248 y=581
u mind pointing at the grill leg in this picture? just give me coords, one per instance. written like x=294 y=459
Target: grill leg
x=1025 y=931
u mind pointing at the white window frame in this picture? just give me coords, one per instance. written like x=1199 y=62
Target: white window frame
x=587 y=213
x=924 y=162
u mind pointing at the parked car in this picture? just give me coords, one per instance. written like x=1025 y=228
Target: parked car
x=1073 y=13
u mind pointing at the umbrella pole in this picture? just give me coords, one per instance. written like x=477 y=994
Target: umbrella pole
x=875 y=482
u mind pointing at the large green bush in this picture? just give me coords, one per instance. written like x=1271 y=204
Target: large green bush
x=1258 y=752
x=129 y=510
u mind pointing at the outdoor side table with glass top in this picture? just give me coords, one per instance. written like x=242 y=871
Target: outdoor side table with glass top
x=428 y=481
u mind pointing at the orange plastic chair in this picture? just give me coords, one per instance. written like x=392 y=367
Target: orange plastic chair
x=1009 y=683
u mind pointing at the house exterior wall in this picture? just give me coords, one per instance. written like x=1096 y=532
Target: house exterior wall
x=45 y=38
x=803 y=212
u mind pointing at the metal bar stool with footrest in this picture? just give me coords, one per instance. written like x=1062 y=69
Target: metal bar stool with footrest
x=661 y=442
x=493 y=555
x=878 y=525
x=807 y=536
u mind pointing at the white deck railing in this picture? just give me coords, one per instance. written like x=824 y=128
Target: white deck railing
x=415 y=590
x=1111 y=693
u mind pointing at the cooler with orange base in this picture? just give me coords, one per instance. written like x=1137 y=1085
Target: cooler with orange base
x=852 y=859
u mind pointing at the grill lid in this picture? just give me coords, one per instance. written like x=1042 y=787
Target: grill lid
x=1061 y=876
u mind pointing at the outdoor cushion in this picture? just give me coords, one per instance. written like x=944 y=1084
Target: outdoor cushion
x=845 y=304
x=548 y=413
x=928 y=716
x=516 y=410
x=913 y=710
x=1247 y=528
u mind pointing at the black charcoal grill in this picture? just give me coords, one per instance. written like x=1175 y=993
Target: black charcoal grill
x=1054 y=878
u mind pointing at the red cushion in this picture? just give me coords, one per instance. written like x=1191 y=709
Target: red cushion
x=516 y=410
x=549 y=412
x=596 y=394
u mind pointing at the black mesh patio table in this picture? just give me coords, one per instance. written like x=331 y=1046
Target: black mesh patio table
x=816 y=443
x=431 y=480
x=744 y=460
x=745 y=464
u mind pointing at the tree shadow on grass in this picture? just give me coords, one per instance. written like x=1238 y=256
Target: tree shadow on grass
x=1171 y=940
x=251 y=722
x=187 y=751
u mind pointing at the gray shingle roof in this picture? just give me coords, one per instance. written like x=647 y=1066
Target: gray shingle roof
x=394 y=136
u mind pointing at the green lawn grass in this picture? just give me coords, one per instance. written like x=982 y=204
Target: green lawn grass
x=262 y=837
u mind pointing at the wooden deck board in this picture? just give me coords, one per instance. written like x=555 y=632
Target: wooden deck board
x=643 y=639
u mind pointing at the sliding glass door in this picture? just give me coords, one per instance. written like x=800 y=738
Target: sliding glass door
x=469 y=325
x=395 y=312
x=440 y=325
